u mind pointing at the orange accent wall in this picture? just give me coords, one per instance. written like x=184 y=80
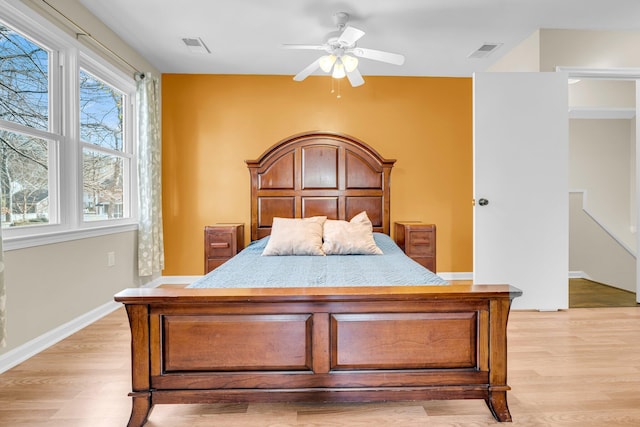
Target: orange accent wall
x=211 y=124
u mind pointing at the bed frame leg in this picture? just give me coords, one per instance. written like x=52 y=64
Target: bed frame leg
x=141 y=409
x=497 y=403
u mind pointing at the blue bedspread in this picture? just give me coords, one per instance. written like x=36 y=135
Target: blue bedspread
x=249 y=269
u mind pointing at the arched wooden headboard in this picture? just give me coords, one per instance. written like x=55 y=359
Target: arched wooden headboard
x=319 y=173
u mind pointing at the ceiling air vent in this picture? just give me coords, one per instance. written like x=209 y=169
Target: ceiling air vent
x=485 y=50
x=196 y=45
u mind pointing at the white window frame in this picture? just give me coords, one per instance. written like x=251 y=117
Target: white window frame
x=128 y=140
x=65 y=157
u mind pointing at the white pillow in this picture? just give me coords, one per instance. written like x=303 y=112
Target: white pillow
x=350 y=238
x=295 y=236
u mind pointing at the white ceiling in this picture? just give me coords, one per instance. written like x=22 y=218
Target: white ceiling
x=435 y=36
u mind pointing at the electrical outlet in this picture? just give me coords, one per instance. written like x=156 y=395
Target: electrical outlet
x=111 y=259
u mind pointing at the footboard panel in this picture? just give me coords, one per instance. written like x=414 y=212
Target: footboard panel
x=333 y=344
x=231 y=342
x=405 y=340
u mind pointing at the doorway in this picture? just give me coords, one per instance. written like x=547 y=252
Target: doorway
x=603 y=181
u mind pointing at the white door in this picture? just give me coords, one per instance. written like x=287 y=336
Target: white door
x=521 y=150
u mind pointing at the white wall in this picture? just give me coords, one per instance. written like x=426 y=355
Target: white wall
x=50 y=285
x=546 y=49
x=524 y=57
x=602 y=94
x=600 y=163
x=589 y=49
x=610 y=264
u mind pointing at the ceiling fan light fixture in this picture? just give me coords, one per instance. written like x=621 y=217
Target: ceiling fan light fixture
x=338 y=71
x=350 y=62
x=326 y=62
x=341 y=56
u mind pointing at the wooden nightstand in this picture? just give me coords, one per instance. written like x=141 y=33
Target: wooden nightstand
x=221 y=242
x=418 y=241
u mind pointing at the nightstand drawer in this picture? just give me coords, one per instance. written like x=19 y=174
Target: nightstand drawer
x=213 y=263
x=419 y=243
x=221 y=243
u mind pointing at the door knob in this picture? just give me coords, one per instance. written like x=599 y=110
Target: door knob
x=483 y=202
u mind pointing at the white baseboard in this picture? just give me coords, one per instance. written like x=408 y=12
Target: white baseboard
x=456 y=276
x=20 y=354
x=469 y=275
x=173 y=280
x=578 y=275
x=154 y=283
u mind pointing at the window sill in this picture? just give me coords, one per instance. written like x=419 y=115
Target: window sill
x=27 y=241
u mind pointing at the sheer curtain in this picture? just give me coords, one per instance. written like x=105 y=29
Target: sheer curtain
x=150 y=236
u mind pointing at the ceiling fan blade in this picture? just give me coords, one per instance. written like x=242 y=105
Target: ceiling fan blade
x=304 y=46
x=378 y=55
x=355 y=78
x=307 y=71
x=349 y=36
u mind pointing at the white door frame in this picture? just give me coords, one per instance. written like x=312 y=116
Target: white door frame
x=619 y=74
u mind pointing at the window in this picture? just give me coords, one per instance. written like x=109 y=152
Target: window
x=104 y=160
x=25 y=183
x=67 y=158
x=25 y=140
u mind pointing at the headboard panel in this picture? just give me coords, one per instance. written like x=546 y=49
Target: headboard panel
x=319 y=173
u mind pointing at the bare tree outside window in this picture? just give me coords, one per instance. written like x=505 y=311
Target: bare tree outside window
x=24 y=179
x=101 y=130
x=24 y=158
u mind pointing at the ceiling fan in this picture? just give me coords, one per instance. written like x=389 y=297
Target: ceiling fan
x=342 y=53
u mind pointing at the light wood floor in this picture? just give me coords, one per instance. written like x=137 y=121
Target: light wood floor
x=579 y=367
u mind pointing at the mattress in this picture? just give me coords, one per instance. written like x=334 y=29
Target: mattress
x=249 y=269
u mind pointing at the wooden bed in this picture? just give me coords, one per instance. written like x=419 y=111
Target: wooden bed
x=324 y=344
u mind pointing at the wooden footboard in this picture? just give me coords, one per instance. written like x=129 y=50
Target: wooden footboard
x=318 y=345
